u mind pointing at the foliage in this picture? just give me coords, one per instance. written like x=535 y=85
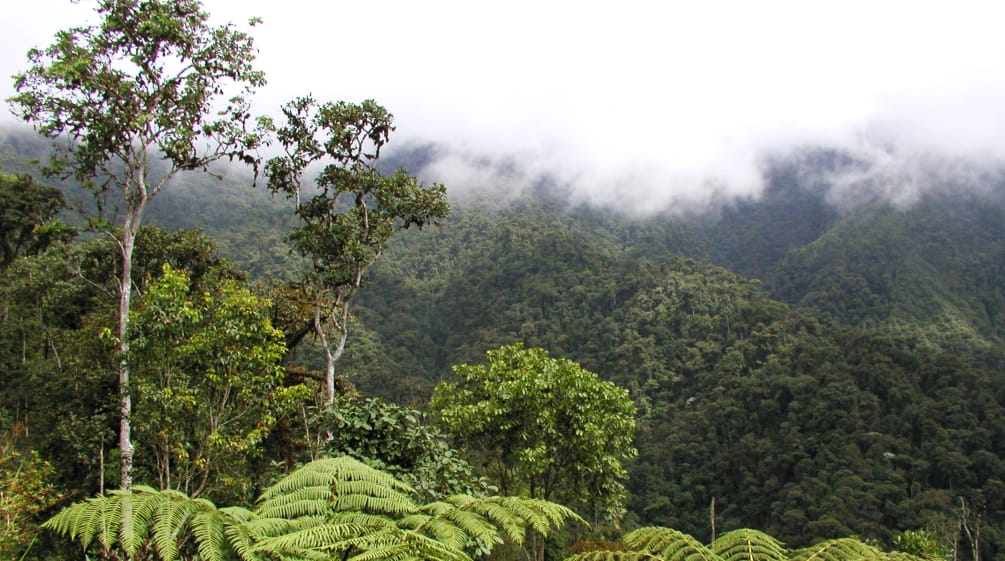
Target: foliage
x=355 y=211
x=327 y=508
x=667 y=544
x=207 y=377
x=868 y=402
x=26 y=490
x=397 y=439
x=746 y=544
x=922 y=543
x=804 y=428
x=542 y=426
x=147 y=77
x=54 y=307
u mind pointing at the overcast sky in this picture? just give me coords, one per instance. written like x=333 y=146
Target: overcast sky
x=650 y=101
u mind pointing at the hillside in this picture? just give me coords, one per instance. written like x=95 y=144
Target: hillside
x=816 y=371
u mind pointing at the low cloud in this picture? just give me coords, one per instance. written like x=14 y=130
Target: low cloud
x=639 y=105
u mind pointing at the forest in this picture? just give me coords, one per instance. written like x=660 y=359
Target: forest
x=353 y=364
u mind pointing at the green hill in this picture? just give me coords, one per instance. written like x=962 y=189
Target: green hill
x=815 y=371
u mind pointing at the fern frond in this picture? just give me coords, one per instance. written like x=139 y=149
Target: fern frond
x=318 y=537
x=384 y=547
x=893 y=556
x=104 y=520
x=749 y=545
x=361 y=519
x=171 y=519
x=613 y=555
x=373 y=502
x=462 y=520
x=94 y=519
x=80 y=521
x=540 y=515
x=669 y=545
x=305 y=502
x=239 y=533
x=439 y=529
x=334 y=485
x=138 y=510
x=208 y=529
x=327 y=472
x=843 y=549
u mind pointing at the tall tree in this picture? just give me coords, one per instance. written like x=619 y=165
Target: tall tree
x=145 y=83
x=355 y=211
x=208 y=380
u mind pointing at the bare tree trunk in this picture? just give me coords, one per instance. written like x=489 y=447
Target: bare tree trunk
x=329 y=355
x=712 y=516
x=126 y=404
x=338 y=316
x=136 y=197
x=971 y=521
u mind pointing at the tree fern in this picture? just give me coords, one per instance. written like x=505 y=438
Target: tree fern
x=490 y=520
x=164 y=518
x=669 y=544
x=666 y=544
x=329 y=508
x=332 y=485
x=748 y=545
x=843 y=549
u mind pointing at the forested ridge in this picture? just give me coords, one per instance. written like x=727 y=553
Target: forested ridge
x=811 y=370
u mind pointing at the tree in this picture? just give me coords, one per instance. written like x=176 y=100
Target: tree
x=355 y=211
x=144 y=83
x=543 y=426
x=335 y=508
x=53 y=308
x=207 y=374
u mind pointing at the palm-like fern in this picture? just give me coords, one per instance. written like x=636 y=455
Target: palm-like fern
x=749 y=545
x=333 y=507
x=665 y=544
x=165 y=520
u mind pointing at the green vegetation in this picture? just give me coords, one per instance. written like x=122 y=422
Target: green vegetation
x=354 y=213
x=331 y=508
x=207 y=381
x=663 y=544
x=831 y=376
x=141 y=85
x=28 y=223
x=542 y=427
x=26 y=490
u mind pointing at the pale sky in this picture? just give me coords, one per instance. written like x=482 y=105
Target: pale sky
x=655 y=102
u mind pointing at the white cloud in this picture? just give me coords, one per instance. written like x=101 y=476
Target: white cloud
x=659 y=102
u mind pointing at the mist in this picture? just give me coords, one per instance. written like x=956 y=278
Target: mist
x=639 y=105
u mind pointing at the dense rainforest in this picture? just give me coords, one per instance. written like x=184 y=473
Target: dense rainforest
x=812 y=367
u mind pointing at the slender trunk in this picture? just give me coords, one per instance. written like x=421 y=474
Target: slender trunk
x=101 y=468
x=332 y=352
x=329 y=356
x=711 y=510
x=136 y=198
x=126 y=404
